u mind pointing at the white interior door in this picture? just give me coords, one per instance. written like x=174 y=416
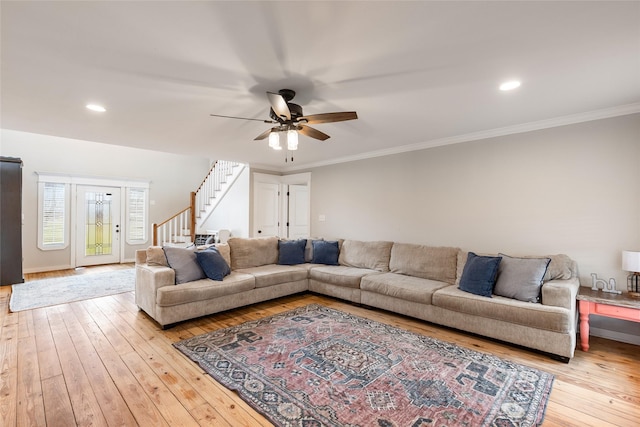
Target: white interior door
x=97 y=225
x=299 y=212
x=267 y=212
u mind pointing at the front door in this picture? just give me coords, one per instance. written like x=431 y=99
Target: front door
x=98 y=225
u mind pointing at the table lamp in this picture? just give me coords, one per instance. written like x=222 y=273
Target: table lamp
x=631 y=263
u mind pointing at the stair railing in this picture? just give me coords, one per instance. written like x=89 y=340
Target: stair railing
x=176 y=229
x=183 y=224
x=212 y=184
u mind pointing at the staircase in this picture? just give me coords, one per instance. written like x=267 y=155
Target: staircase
x=181 y=228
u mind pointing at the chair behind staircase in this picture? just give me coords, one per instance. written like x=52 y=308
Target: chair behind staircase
x=223 y=235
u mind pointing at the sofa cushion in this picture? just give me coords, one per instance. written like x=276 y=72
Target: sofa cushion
x=253 y=252
x=371 y=255
x=225 y=251
x=213 y=264
x=340 y=275
x=550 y=318
x=156 y=256
x=185 y=264
x=521 y=278
x=201 y=290
x=291 y=252
x=275 y=274
x=408 y=288
x=479 y=275
x=427 y=262
x=325 y=252
x=561 y=267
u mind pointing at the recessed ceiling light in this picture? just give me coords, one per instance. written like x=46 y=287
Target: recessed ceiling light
x=96 y=107
x=510 y=85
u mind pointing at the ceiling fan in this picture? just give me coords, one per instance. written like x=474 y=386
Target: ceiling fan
x=290 y=119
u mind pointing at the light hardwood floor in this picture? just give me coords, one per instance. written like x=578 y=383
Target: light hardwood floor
x=102 y=362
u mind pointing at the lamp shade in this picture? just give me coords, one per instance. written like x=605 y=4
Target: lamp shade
x=274 y=140
x=631 y=261
x=292 y=140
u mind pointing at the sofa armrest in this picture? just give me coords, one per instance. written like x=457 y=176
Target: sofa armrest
x=561 y=293
x=150 y=278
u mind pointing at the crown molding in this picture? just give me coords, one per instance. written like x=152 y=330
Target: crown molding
x=570 y=119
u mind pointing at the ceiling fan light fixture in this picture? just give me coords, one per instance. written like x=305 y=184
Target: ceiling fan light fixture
x=292 y=140
x=274 y=140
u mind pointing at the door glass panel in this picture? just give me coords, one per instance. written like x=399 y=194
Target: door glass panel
x=98 y=224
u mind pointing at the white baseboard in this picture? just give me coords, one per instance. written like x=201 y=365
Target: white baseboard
x=43 y=269
x=614 y=335
x=62 y=267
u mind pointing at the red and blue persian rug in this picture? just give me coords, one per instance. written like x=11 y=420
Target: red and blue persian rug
x=316 y=366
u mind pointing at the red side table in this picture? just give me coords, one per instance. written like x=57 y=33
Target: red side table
x=605 y=304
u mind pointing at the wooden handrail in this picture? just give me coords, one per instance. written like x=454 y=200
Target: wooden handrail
x=179 y=213
x=207 y=175
x=156 y=226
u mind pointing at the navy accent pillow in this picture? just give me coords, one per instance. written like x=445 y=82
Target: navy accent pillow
x=291 y=252
x=325 y=252
x=213 y=264
x=479 y=274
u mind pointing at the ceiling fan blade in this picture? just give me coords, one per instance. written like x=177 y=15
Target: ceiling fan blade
x=242 y=118
x=279 y=105
x=264 y=134
x=313 y=133
x=328 y=117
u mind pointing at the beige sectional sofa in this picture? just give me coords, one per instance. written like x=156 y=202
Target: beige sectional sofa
x=413 y=280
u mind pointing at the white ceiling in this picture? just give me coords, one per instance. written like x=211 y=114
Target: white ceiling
x=418 y=73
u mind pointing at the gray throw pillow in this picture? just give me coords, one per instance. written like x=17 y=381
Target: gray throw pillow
x=521 y=278
x=184 y=263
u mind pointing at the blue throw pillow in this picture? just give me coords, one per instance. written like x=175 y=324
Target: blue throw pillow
x=325 y=252
x=213 y=264
x=479 y=274
x=291 y=252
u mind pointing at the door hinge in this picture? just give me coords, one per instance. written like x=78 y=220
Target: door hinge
x=287 y=194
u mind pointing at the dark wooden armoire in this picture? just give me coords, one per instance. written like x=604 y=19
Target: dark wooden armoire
x=10 y=221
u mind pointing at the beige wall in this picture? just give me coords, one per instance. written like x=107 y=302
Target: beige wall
x=571 y=189
x=171 y=178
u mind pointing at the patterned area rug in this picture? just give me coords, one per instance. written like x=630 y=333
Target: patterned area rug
x=315 y=366
x=61 y=290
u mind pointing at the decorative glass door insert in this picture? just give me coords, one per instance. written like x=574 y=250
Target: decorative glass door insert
x=98 y=223
x=98 y=218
